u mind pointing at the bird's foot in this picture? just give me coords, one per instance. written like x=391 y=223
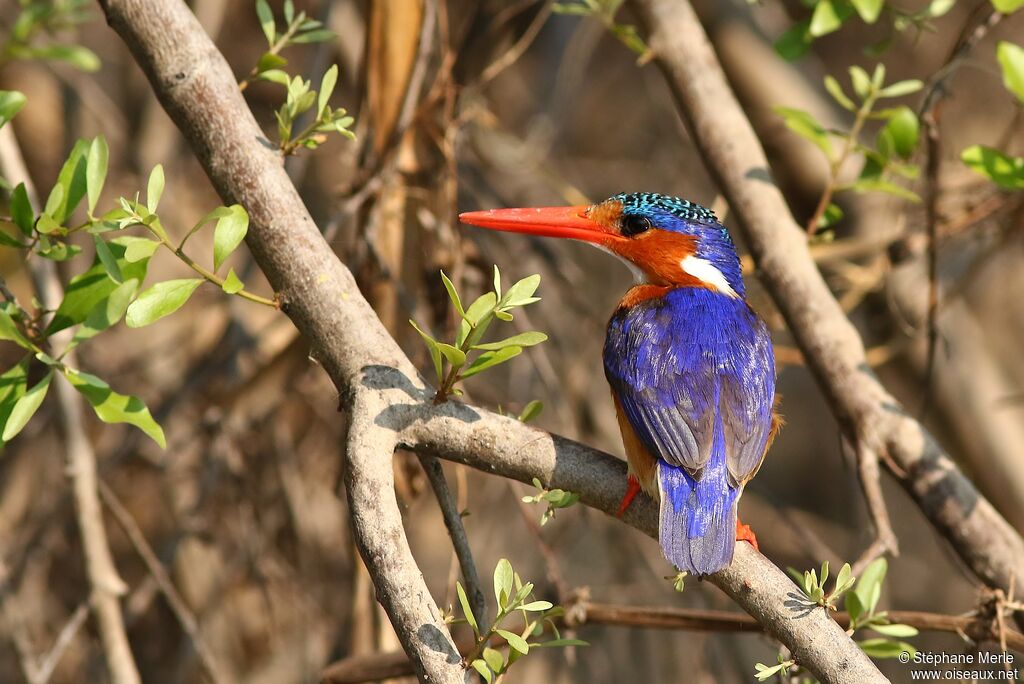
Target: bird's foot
x=744 y=533
x=632 y=489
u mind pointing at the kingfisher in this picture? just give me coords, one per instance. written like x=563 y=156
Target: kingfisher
x=689 y=362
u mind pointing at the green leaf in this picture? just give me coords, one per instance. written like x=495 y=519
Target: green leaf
x=794 y=43
x=466 y=610
x=526 y=339
x=836 y=91
x=1008 y=6
x=453 y=294
x=862 y=185
x=11 y=102
x=107 y=312
x=828 y=16
x=13 y=385
x=71 y=185
x=1011 y=61
x=537 y=606
x=531 y=411
x=938 y=8
x=559 y=642
x=807 y=127
x=895 y=630
x=883 y=648
x=138 y=248
x=229 y=233
x=21 y=210
x=26 y=407
x=108 y=259
x=267 y=22
x=274 y=76
x=111 y=407
x=494 y=659
x=904 y=128
x=232 y=283
x=901 y=88
x=455 y=356
x=155 y=188
x=327 y=84
x=853 y=606
x=481 y=666
x=9 y=330
x=314 y=36
x=1004 y=170
x=268 y=61
x=868 y=9
x=521 y=293
x=77 y=56
x=160 y=300
x=514 y=640
x=861 y=81
x=832 y=215
x=96 y=170
x=490 y=359
x=289 y=11
x=764 y=673
x=870 y=579
x=435 y=351
x=503 y=577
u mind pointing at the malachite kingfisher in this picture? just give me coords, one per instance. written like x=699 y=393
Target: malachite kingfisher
x=691 y=366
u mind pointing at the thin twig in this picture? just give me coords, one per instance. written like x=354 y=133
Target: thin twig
x=163 y=581
x=457 y=532
x=67 y=633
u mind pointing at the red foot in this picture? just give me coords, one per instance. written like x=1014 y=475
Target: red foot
x=744 y=533
x=631 y=491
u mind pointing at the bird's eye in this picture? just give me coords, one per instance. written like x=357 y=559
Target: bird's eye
x=634 y=225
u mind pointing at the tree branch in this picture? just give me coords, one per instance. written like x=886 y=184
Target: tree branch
x=869 y=415
x=378 y=385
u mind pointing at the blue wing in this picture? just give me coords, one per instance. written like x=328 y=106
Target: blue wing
x=684 y=362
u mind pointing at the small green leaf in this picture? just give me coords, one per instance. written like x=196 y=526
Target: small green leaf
x=494 y=660
x=1011 y=61
x=870 y=580
x=537 y=606
x=229 y=233
x=111 y=407
x=155 y=188
x=9 y=331
x=832 y=215
x=531 y=411
x=828 y=16
x=794 y=43
x=480 y=307
x=807 y=127
x=490 y=359
x=11 y=102
x=96 y=170
x=1004 y=170
x=453 y=294
x=70 y=187
x=13 y=385
x=526 y=339
x=497 y=282
x=883 y=648
x=314 y=36
x=939 y=8
x=895 y=630
x=1008 y=6
x=901 y=88
x=861 y=81
x=455 y=356
x=518 y=294
x=232 y=283
x=160 y=300
x=481 y=666
x=107 y=312
x=267 y=22
x=836 y=91
x=274 y=76
x=904 y=128
x=435 y=351
x=326 y=89
x=268 y=61
x=764 y=673
x=862 y=185
x=868 y=9
x=108 y=259
x=26 y=407
x=503 y=582
x=77 y=56
x=853 y=606
x=138 y=248
x=466 y=610
x=515 y=641
x=559 y=642
x=21 y=210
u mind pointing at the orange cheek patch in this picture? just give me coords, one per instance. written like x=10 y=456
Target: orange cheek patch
x=659 y=253
x=607 y=214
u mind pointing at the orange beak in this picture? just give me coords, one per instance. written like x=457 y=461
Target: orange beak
x=561 y=222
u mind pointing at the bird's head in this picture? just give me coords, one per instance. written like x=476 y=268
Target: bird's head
x=665 y=240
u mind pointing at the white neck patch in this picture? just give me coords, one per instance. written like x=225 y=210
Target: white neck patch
x=706 y=272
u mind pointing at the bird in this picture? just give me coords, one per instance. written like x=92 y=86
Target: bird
x=690 y=364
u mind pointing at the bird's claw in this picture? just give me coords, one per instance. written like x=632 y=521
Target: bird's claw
x=632 y=489
x=744 y=533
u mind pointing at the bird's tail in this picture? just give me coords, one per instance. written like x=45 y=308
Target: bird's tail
x=698 y=516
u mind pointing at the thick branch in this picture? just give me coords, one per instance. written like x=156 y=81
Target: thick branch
x=377 y=382
x=869 y=415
